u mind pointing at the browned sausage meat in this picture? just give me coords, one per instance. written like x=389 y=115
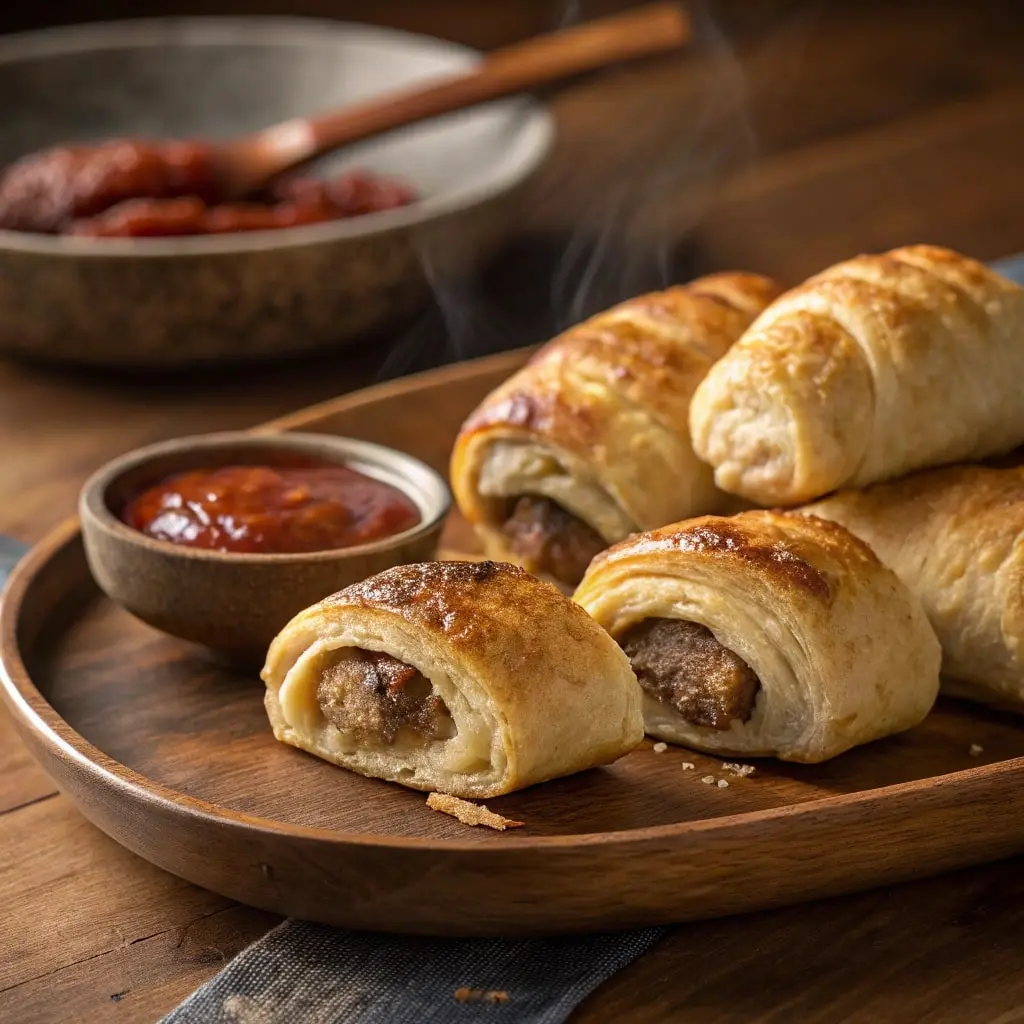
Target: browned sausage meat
x=551 y=540
x=374 y=697
x=682 y=664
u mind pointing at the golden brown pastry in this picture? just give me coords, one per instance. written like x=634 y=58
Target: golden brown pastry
x=469 y=678
x=590 y=441
x=765 y=634
x=955 y=536
x=879 y=366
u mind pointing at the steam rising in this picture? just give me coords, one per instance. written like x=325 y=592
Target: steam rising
x=570 y=13
x=628 y=215
x=631 y=239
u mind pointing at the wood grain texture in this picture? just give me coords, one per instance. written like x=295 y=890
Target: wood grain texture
x=825 y=74
x=181 y=957
x=110 y=900
x=944 y=950
x=22 y=781
x=198 y=785
x=886 y=176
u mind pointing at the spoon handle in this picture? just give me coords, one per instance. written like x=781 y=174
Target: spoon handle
x=653 y=29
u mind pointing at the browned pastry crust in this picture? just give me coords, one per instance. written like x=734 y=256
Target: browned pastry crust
x=597 y=422
x=469 y=813
x=876 y=367
x=529 y=685
x=841 y=650
x=955 y=536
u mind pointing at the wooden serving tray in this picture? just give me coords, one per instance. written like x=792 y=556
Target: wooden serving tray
x=173 y=757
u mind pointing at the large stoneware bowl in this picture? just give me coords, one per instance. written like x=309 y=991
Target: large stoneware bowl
x=180 y=301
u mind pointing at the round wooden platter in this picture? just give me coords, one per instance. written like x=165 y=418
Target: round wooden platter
x=173 y=757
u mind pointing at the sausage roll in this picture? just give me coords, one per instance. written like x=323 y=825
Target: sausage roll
x=955 y=536
x=765 y=634
x=469 y=678
x=590 y=441
x=876 y=367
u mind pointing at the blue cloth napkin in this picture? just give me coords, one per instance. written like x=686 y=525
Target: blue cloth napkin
x=10 y=551
x=1011 y=267
x=303 y=973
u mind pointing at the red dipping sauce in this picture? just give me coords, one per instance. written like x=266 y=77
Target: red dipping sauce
x=127 y=188
x=271 y=510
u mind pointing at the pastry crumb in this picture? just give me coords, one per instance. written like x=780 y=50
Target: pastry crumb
x=479 y=995
x=688 y=766
x=976 y=749
x=660 y=748
x=708 y=780
x=722 y=784
x=469 y=813
x=741 y=771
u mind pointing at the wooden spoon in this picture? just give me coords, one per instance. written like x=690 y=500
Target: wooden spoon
x=248 y=163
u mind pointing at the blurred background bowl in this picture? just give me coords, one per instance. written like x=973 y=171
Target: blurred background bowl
x=240 y=297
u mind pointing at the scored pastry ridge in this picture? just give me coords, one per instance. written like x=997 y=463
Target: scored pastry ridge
x=840 y=649
x=875 y=367
x=532 y=687
x=955 y=536
x=590 y=440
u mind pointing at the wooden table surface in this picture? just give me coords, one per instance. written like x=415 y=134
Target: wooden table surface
x=845 y=128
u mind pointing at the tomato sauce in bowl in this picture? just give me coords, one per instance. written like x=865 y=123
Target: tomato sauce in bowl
x=128 y=188
x=271 y=509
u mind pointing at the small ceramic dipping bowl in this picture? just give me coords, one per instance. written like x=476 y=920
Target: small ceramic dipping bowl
x=232 y=603
x=163 y=302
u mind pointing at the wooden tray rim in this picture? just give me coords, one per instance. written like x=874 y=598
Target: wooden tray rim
x=32 y=711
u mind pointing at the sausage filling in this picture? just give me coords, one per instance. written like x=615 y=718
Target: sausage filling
x=684 y=666
x=375 y=697
x=550 y=540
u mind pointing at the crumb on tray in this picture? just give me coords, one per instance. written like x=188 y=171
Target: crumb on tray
x=660 y=748
x=708 y=780
x=480 y=995
x=688 y=766
x=741 y=771
x=469 y=813
x=976 y=749
x=723 y=784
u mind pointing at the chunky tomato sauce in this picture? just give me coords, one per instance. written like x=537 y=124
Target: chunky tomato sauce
x=132 y=189
x=266 y=510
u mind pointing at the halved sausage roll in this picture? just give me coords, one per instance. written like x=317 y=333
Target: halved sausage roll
x=871 y=369
x=765 y=634
x=589 y=442
x=955 y=536
x=470 y=678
